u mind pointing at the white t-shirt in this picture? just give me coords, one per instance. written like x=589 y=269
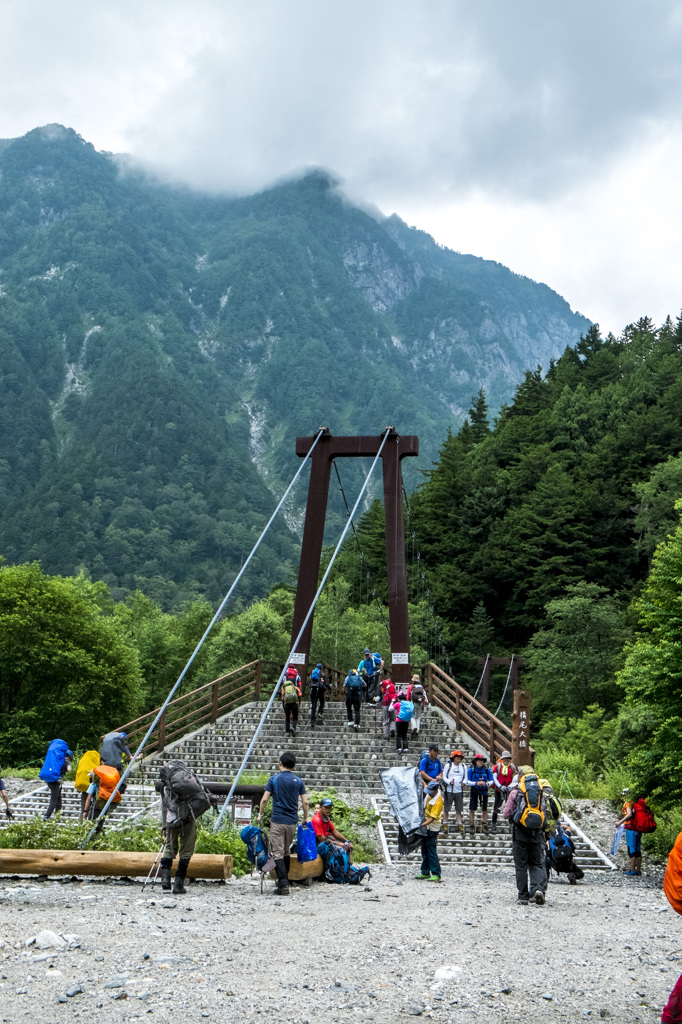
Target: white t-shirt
x=453 y=776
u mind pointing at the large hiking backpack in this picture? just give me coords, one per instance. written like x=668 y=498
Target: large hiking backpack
x=560 y=850
x=405 y=711
x=187 y=795
x=88 y=761
x=292 y=673
x=256 y=849
x=529 y=811
x=417 y=694
x=377 y=659
x=355 y=682
x=290 y=691
x=57 y=752
x=109 y=778
x=644 y=820
x=337 y=865
x=315 y=679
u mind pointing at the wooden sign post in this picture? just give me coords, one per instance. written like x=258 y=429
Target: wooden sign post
x=521 y=748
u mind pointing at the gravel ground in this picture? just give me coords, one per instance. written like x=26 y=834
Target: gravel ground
x=606 y=948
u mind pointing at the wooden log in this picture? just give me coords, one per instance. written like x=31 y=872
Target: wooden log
x=308 y=869
x=110 y=862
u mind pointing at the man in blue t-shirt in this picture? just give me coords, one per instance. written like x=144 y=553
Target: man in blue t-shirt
x=430 y=766
x=285 y=788
x=371 y=674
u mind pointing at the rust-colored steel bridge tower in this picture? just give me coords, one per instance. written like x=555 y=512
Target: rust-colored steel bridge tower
x=328 y=449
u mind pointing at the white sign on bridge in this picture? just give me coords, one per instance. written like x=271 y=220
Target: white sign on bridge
x=297 y=658
x=400 y=659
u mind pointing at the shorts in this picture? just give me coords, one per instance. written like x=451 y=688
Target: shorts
x=634 y=841
x=3 y=787
x=453 y=798
x=478 y=796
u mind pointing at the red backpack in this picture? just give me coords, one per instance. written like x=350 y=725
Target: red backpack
x=292 y=672
x=644 y=819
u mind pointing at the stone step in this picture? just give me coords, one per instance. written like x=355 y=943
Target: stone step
x=136 y=801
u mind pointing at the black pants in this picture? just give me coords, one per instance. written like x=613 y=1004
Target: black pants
x=316 y=694
x=401 y=735
x=372 y=687
x=291 y=715
x=55 y=803
x=430 y=862
x=528 y=847
x=353 y=707
x=500 y=800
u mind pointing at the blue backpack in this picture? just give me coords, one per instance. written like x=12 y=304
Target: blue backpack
x=406 y=711
x=337 y=865
x=57 y=752
x=355 y=682
x=315 y=675
x=376 y=658
x=256 y=850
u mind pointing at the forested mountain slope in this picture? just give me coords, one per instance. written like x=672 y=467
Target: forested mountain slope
x=160 y=350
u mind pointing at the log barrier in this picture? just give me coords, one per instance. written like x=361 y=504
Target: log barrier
x=103 y=863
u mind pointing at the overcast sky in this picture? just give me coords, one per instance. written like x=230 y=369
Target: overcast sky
x=546 y=136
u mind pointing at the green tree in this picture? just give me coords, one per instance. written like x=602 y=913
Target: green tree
x=65 y=667
x=655 y=513
x=572 y=660
x=652 y=675
x=478 y=417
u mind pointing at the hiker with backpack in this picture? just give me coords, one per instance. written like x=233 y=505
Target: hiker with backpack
x=368 y=670
x=479 y=780
x=291 y=695
x=354 y=685
x=3 y=793
x=387 y=697
x=115 y=753
x=404 y=710
x=503 y=773
x=526 y=808
x=102 y=782
x=417 y=694
x=638 y=820
x=318 y=687
x=454 y=776
x=55 y=766
x=184 y=799
x=430 y=766
x=561 y=854
x=83 y=780
x=285 y=788
x=433 y=810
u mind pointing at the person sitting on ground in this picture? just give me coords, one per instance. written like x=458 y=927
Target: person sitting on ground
x=285 y=788
x=55 y=766
x=454 y=776
x=404 y=709
x=430 y=766
x=433 y=809
x=324 y=827
x=632 y=836
x=417 y=694
x=291 y=695
x=354 y=685
x=503 y=773
x=387 y=698
x=103 y=781
x=561 y=853
x=3 y=793
x=479 y=780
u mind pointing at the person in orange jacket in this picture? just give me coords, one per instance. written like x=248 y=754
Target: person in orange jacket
x=672 y=886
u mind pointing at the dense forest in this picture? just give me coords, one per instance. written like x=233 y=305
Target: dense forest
x=160 y=350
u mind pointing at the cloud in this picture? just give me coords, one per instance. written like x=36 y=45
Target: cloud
x=524 y=109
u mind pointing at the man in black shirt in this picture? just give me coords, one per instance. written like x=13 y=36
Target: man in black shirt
x=285 y=788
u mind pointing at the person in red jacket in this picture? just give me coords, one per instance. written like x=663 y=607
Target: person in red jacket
x=387 y=696
x=503 y=773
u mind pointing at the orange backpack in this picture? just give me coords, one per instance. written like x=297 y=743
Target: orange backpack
x=672 y=881
x=108 y=778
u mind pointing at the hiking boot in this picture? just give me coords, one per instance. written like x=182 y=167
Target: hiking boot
x=283 y=892
x=460 y=829
x=572 y=880
x=486 y=830
x=293 y=734
x=472 y=830
x=422 y=878
x=539 y=897
x=166 y=865
x=523 y=899
x=445 y=828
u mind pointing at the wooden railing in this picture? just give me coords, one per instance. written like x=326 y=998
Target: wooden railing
x=474 y=718
x=210 y=702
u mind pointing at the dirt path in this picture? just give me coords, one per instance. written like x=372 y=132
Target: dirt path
x=607 y=948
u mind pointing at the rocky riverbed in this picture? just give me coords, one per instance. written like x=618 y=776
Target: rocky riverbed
x=459 y=951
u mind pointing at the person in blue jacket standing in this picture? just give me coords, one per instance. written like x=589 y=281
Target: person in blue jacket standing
x=371 y=674
x=55 y=766
x=479 y=780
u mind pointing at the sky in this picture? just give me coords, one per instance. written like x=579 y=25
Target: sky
x=545 y=136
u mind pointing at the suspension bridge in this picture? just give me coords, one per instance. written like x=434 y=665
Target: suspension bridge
x=231 y=724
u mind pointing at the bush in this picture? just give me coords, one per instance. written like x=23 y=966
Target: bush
x=658 y=844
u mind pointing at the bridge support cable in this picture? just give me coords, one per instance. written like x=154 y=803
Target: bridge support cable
x=301 y=631
x=198 y=647
x=363 y=559
x=504 y=692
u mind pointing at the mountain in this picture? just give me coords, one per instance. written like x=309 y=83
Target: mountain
x=161 y=349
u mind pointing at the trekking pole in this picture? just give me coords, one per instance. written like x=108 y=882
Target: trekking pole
x=157 y=861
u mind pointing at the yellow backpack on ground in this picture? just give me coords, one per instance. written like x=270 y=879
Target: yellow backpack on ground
x=88 y=761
